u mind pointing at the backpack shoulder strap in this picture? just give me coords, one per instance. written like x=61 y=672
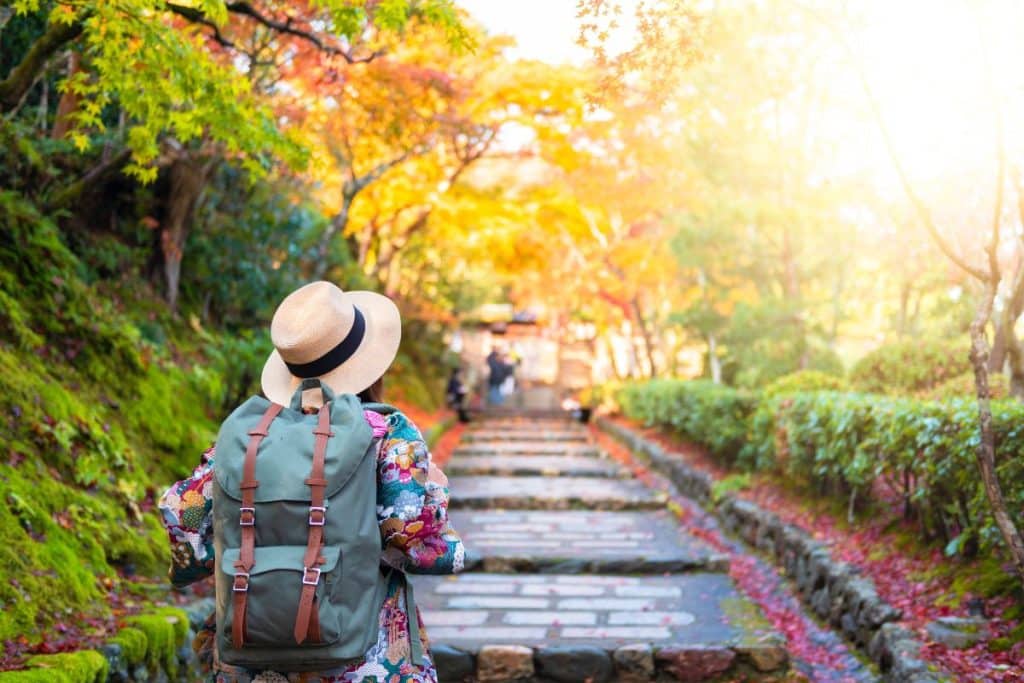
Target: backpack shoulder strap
x=247 y=520
x=312 y=560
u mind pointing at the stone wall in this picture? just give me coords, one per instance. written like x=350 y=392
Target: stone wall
x=834 y=591
x=637 y=663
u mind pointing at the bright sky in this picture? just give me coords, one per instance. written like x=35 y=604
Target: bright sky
x=923 y=58
x=544 y=29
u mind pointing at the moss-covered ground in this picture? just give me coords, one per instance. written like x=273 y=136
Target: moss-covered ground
x=96 y=417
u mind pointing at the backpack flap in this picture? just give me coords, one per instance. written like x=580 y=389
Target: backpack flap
x=275 y=582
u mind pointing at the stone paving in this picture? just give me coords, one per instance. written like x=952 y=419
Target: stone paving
x=577 y=572
x=553 y=493
x=535 y=465
x=580 y=542
x=565 y=436
x=502 y=448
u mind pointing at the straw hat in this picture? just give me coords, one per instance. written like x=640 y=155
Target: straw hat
x=347 y=339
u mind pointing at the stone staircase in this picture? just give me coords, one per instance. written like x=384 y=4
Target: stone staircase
x=577 y=572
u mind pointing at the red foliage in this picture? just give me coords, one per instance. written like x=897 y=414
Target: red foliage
x=874 y=549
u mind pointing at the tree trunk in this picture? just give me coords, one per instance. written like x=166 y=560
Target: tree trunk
x=336 y=227
x=904 y=314
x=612 y=360
x=21 y=78
x=713 y=362
x=68 y=101
x=187 y=180
x=1005 y=346
x=986 y=452
x=645 y=333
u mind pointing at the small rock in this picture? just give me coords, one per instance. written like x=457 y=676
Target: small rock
x=821 y=603
x=571 y=664
x=695 y=663
x=959 y=633
x=501 y=663
x=452 y=665
x=634 y=663
x=140 y=673
x=878 y=613
x=848 y=624
x=767 y=656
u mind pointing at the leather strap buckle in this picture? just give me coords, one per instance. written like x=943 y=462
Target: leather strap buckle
x=305 y=576
x=241 y=583
x=321 y=519
x=247 y=516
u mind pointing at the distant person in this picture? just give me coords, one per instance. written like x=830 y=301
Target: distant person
x=455 y=395
x=497 y=370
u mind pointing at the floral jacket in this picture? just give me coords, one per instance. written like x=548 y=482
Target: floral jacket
x=416 y=537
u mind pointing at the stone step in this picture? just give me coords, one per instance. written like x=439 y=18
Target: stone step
x=526 y=448
x=525 y=435
x=575 y=541
x=548 y=493
x=518 y=425
x=566 y=627
x=536 y=465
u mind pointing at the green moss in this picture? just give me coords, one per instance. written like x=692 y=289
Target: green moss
x=986 y=578
x=165 y=631
x=86 y=666
x=745 y=616
x=730 y=484
x=133 y=644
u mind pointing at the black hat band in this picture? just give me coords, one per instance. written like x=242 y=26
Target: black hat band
x=336 y=356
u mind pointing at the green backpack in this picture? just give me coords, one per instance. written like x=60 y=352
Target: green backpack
x=299 y=583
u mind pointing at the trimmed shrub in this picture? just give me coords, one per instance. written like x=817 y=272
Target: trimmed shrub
x=710 y=414
x=803 y=380
x=910 y=367
x=963 y=387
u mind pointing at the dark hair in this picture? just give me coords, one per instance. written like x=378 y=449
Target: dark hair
x=373 y=393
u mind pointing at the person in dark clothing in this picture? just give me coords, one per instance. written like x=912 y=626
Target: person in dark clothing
x=456 y=395
x=498 y=370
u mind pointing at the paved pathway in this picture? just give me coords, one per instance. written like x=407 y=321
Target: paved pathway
x=577 y=572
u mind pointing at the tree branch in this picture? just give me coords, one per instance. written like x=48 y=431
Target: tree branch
x=288 y=26
x=97 y=174
x=23 y=76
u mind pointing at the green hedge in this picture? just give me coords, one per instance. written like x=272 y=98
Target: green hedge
x=871 y=448
x=910 y=367
x=710 y=414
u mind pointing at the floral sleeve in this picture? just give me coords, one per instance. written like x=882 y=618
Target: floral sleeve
x=186 y=509
x=413 y=512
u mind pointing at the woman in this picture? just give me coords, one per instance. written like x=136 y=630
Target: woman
x=347 y=340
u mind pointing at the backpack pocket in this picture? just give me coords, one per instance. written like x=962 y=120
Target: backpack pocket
x=275 y=586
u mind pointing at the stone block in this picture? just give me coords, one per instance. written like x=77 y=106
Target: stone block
x=571 y=664
x=821 y=603
x=504 y=663
x=695 y=663
x=634 y=663
x=878 y=613
x=770 y=655
x=959 y=633
x=859 y=593
x=453 y=665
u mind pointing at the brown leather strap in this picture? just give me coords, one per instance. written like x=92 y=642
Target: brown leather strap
x=247 y=520
x=314 y=624
x=317 y=518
